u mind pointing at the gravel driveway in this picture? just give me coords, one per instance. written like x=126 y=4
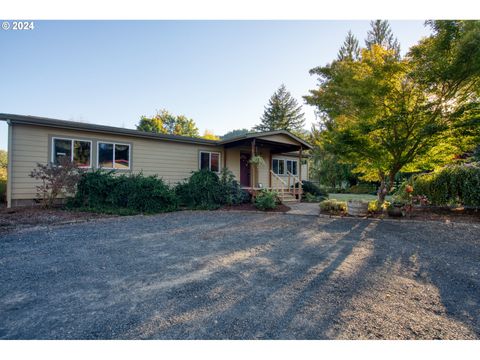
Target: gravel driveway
x=204 y=275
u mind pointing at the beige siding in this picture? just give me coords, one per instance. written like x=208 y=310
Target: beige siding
x=264 y=170
x=170 y=160
x=281 y=139
x=233 y=161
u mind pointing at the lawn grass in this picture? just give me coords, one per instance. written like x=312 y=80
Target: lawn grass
x=346 y=197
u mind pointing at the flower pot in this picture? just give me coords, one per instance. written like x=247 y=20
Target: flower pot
x=395 y=211
x=357 y=208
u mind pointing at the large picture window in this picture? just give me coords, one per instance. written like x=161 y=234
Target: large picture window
x=209 y=161
x=78 y=151
x=113 y=156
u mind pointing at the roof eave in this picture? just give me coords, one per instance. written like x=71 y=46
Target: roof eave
x=64 y=124
x=257 y=135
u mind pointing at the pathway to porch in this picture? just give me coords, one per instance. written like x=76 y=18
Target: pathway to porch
x=302 y=208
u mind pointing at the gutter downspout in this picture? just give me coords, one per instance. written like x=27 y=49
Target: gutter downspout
x=10 y=164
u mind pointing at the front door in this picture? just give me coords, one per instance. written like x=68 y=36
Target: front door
x=245 y=169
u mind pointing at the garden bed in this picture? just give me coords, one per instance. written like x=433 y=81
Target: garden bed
x=431 y=213
x=15 y=218
x=251 y=207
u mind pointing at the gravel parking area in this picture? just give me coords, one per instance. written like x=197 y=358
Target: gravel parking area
x=234 y=275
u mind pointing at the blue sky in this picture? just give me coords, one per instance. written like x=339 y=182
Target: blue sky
x=220 y=73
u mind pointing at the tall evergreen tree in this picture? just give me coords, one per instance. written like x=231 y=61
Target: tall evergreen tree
x=282 y=113
x=381 y=34
x=350 y=49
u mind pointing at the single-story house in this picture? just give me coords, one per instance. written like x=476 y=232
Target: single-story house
x=33 y=140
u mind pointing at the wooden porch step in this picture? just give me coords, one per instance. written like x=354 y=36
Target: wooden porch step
x=289 y=198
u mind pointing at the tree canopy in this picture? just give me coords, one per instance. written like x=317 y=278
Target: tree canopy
x=209 y=135
x=3 y=165
x=234 y=133
x=386 y=114
x=282 y=113
x=165 y=123
x=3 y=159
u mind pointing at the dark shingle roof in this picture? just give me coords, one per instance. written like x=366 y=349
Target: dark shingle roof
x=75 y=125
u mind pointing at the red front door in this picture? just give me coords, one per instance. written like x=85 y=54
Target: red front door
x=245 y=169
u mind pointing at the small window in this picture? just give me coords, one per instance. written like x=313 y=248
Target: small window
x=204 y=161
x=278 y=166
x=105 y=155
x=292 y=166
x=78 y=151
x=81 y=153
x=61 y=148
x=209 y=161
x=113 y=156
x=122 y=156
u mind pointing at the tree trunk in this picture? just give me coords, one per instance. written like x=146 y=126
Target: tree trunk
x=382 y=192
x=391 y=180
x=384 y=189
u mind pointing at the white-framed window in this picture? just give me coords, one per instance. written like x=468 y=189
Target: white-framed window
x=112 y=155
x=281 y=166
x=278 y=166
x=209 y=160
x=292 y=166
x=78 y=151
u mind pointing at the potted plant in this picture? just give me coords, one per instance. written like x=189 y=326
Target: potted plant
x=256 y=161
x=396 y=208
x=357 y=208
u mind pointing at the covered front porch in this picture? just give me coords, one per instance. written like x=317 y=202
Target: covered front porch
x=271 y=160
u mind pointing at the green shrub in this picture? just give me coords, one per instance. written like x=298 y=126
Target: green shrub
x=374 y=206
x=105 y=192
x=363 y=188
x=333 y=206
x=93 y=189
x=452 y=185
x=266 y=200
x=3 y=190
x=201 y=191
x=232 y=194
x=312 y=189
x=206 y=190
x=307 y=197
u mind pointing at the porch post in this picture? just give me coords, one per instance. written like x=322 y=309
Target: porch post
x=270 y=170
x=300 y=171
x=252 y=167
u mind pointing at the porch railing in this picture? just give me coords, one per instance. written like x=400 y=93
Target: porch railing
x=293 y=180
x=279 y=185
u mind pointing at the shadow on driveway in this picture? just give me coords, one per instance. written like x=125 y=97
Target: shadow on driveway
x=218 y=275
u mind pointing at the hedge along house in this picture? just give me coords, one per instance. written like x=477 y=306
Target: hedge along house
x=33 y=140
